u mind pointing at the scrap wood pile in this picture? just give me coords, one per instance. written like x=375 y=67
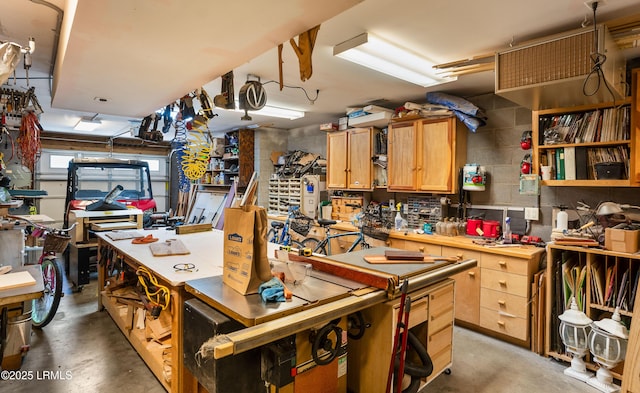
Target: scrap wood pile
x=297 y=163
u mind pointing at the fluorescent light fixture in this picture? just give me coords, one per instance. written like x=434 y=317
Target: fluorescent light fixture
x=375 y=53
x=87 y=123
x=274 y=111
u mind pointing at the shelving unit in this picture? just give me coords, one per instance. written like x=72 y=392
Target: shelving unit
x=232 y=156
x=612 y=272
x=284 y=193
x=611 y=137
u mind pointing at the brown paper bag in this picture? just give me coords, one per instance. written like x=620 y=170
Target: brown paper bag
x=245 y=264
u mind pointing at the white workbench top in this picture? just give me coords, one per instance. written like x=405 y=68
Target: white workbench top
x=205 y=253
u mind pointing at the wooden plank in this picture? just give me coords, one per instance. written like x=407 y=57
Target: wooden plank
x=16 y=280
x=350 y=272
x=381 y=259
x=193 y=228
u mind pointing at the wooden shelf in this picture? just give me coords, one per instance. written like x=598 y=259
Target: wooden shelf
x=149 y=351
x=632 y=148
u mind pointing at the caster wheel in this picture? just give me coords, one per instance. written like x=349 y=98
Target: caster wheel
x=447 y=371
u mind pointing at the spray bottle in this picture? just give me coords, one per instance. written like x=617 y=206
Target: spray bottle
x=398 y=219
x=506 y=234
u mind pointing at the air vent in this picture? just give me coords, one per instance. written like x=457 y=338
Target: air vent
x=550 y=73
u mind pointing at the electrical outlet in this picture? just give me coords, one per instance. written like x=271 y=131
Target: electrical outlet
x=531 y=213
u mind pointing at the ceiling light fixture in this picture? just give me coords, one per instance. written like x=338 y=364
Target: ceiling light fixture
x=87 y=123
x=375 y=53
x=273 y=111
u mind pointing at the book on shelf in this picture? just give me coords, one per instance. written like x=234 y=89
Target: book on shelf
x=560 y=163
x=570 y=163
x=634 y=289
x=582 y=168
x=598 y=125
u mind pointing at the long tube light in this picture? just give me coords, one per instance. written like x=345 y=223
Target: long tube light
x=274 y=111
x=375 y=53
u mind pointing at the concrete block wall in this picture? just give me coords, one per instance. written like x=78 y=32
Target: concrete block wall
x=266 y=141
x=495 y=146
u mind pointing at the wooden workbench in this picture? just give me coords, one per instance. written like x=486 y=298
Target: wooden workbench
x=204 y=281
x=205 y=253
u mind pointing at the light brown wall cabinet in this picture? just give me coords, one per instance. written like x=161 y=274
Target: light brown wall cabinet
x=614 y=137
x=349 y=159
x=425 y=155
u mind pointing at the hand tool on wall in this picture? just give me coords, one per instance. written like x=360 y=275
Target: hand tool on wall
x=396 y=338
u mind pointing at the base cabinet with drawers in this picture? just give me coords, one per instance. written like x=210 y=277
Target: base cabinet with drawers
x=430 y=319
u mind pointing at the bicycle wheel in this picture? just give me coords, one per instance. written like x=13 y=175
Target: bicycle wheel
x=314 y=245
x=272 y=236
x=44 y=309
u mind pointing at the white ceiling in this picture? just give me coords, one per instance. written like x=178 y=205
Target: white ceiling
x=143 y=54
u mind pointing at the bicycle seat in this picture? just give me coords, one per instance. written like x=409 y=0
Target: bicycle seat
x=277 y=224
x=325 y=223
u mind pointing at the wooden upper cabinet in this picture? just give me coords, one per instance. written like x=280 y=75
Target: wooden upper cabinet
x=425 y=155
x=349 y=159
x=402 y=140
x=337 y=159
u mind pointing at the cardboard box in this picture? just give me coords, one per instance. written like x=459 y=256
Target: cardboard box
x=621 y=240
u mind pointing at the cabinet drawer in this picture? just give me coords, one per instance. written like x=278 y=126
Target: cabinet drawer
x=439 y=320
x=505 y=264
x=511 y=326
x=462 y=254
x=441 y=299
x=430 y=249
x=441 y=361
x=505 y=282
x=439 y=340
x=418 y=314
x=505 y=302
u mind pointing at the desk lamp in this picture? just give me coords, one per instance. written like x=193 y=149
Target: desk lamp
x=608 y=345
x=608 y=208
x=574 y=331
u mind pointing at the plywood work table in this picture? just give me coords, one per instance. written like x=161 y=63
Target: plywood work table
x=205 y=252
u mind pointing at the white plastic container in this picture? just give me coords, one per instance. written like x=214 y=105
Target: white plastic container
x=562 y=221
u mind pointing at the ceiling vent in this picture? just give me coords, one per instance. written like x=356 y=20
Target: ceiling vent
x=551 y=73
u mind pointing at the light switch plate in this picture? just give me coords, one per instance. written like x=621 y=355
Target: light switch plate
x=531 y=213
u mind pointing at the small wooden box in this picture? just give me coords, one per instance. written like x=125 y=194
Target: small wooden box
x=621 y=240
x=343 y=208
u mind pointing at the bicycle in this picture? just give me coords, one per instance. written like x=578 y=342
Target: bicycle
x=369 y=224
x=296 y=221
x=44 y=308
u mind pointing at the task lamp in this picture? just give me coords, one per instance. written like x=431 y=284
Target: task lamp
x=608 y=208
x=608 y=345
x=574 y=331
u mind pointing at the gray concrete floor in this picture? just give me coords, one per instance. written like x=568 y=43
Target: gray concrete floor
x=482 y=364
x=87 y=348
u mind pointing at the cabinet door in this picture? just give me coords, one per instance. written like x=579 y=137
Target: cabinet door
x=402 y=157
x=359 y=164
x=435 y=156
x=337 y=159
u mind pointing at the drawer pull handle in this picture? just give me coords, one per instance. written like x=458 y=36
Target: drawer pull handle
x=421 y=249
x=502 y=302
x=388 y=242
x=472 y=274
x=502 y=263
x=501 y=323
x=459 y=255
x=503 y=283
